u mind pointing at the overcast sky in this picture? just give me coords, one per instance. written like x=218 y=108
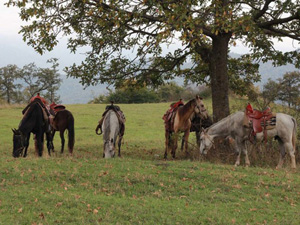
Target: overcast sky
x=13 y=50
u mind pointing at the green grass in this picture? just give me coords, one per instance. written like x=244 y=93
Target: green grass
x=140 y=187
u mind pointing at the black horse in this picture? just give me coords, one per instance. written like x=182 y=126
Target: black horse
x=35 y=120
x=197 y=125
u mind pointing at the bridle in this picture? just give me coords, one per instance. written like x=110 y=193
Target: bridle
x=201 y=111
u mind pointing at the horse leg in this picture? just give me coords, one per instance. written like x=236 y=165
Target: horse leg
x=26 y=145
x=53 y=133
x=62 y=138
x=245 y=151
x=174 y=145
x=39 y=143
x=186 y=140
x=167 y=143
x=119 y=145
x=281 y=155
x=182 y=143
x=198 y=138
x=288 y=147
x=49 y=142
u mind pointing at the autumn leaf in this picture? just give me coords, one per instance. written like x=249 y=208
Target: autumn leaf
x=95 y=211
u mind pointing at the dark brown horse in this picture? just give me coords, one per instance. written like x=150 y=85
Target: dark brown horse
x=182 y=123
x=196 y=126
x=35 y=120
x=62 y=121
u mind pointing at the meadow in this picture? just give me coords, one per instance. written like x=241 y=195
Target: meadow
x=140 y=187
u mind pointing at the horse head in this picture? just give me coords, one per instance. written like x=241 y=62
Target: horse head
x=206 y=142
x=18 y=143
x=200 y=108
x=109 y=148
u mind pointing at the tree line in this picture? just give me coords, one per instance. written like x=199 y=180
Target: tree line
x=164 y=93
x=285 y=90
x=19 y=85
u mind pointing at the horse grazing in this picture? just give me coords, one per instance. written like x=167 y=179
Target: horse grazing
x=64 y=120
x=284 y=131
x=181 y=122
x=113 y=128
x=35 y=120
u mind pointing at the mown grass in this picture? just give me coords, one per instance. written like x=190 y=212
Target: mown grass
x=140 y=187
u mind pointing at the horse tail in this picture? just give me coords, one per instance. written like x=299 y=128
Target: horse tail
x=294 y=137
x=71 y=132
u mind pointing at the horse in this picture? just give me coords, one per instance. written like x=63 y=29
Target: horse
x=182 y=123
x=232 y=126
x=62 y=121
x=112 y=131
x=35 y=120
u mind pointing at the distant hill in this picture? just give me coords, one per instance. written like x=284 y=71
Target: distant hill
x=72 y=92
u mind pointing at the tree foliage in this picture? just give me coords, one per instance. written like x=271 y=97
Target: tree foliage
x=289 y=88
x=164 y=93
x=202 y=29
x=8 y=87
x=19 y=85
x=285 y=89
x=41 y=80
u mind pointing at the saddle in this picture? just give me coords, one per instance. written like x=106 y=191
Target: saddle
x=259 y=121
x=169 y=116
x=117 y=110
x=54 y=108
x=46 y=113
x=120 y=115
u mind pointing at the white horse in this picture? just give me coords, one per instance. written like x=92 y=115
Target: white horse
x=284 y=132
x=111 y=132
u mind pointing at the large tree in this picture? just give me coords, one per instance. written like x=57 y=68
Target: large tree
x=202 y=29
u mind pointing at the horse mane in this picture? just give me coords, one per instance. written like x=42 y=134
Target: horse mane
x=28 y=111
x=182 y=109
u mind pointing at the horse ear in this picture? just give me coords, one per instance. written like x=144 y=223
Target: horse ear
x=14 y=131
x=198 y=97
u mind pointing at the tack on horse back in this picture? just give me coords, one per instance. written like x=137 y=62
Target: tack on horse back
x=259 y=121
x=169 y=116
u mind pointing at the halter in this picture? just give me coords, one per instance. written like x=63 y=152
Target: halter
x=200 y=111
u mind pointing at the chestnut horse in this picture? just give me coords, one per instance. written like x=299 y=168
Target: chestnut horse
x=62 y=121
x=182 y=123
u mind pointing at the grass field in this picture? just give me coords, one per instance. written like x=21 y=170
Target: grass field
x=140 y=187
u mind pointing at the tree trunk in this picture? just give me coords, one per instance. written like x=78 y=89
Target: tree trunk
x=219 y=76
x=8 y=95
